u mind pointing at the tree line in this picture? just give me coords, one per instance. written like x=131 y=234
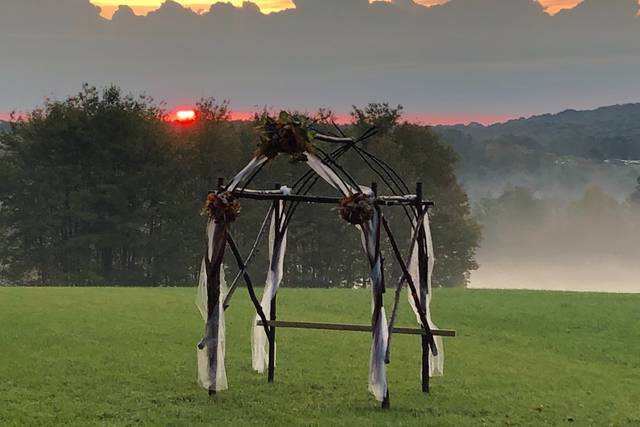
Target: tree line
x=102 y=189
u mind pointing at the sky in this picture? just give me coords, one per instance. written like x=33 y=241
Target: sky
x=267 y=6
x=467 y=60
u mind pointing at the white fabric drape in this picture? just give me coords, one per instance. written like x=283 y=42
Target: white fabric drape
x=277 y=249
x=377 y=369
x=245 y=173
x=371 y=243
x=436 y=363
x=211 y=350
x=211 y=370
x=328 y=174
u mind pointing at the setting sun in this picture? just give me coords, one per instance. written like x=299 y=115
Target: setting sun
x=185 y=116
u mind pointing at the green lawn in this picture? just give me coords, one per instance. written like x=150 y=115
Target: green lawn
x=127 y=356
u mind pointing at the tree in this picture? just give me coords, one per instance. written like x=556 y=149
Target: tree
x=379 y=114
x=86 y=191
x=421 y=157
x=596 y=203
x=517 y=204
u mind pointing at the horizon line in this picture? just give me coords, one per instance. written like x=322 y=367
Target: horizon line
x=425 y=119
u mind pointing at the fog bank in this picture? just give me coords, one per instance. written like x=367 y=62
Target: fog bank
x=588 y=244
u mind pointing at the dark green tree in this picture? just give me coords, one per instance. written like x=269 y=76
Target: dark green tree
x=85 y=191
x=515 y=204
x=379 y=114
x=420 y=156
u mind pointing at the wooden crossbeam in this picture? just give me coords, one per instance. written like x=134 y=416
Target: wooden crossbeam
x=354 y=328
x=406 y=200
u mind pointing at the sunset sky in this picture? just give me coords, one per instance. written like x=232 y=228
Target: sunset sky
x=476 y=60
x=144 y=6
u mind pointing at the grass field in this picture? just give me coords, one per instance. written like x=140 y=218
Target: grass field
x=127 y=357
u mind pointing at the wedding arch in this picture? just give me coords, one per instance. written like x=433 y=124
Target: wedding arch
x=359 y=205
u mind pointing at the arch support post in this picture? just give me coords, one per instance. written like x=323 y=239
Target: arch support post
x=423 y=290
x=280 y=229
x=272 y=342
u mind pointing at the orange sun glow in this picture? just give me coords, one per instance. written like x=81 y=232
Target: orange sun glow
x=185 y=116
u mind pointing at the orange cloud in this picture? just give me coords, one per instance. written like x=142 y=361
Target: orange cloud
x=108 y=10
x=142 y=7
x=555 y=6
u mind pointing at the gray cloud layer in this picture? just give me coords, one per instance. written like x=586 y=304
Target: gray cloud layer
x=469 y=56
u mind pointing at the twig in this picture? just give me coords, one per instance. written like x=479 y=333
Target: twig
x=250 y=257
x=403 y=278
x=412 y=286
x=247 y=279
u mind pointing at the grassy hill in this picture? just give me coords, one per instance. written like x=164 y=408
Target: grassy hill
x=126 y=356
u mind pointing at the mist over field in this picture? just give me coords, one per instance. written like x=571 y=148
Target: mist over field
x=567 y=242
x=588 y=244
x=558 y=197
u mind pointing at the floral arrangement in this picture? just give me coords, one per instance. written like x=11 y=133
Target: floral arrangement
x=356 y=209
x=223 y=208
x=289 y=134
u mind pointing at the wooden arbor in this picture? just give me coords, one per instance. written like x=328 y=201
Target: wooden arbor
x=361 y=206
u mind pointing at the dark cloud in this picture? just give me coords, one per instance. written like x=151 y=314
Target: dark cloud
x=603 y=10
x=124 y=12
x=37 y=16
x=330 y=6
x=470 y=56
x=231 y=10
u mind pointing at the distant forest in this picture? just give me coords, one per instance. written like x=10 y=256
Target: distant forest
x=559 y=155
x=557 y=196
x=102 y=189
